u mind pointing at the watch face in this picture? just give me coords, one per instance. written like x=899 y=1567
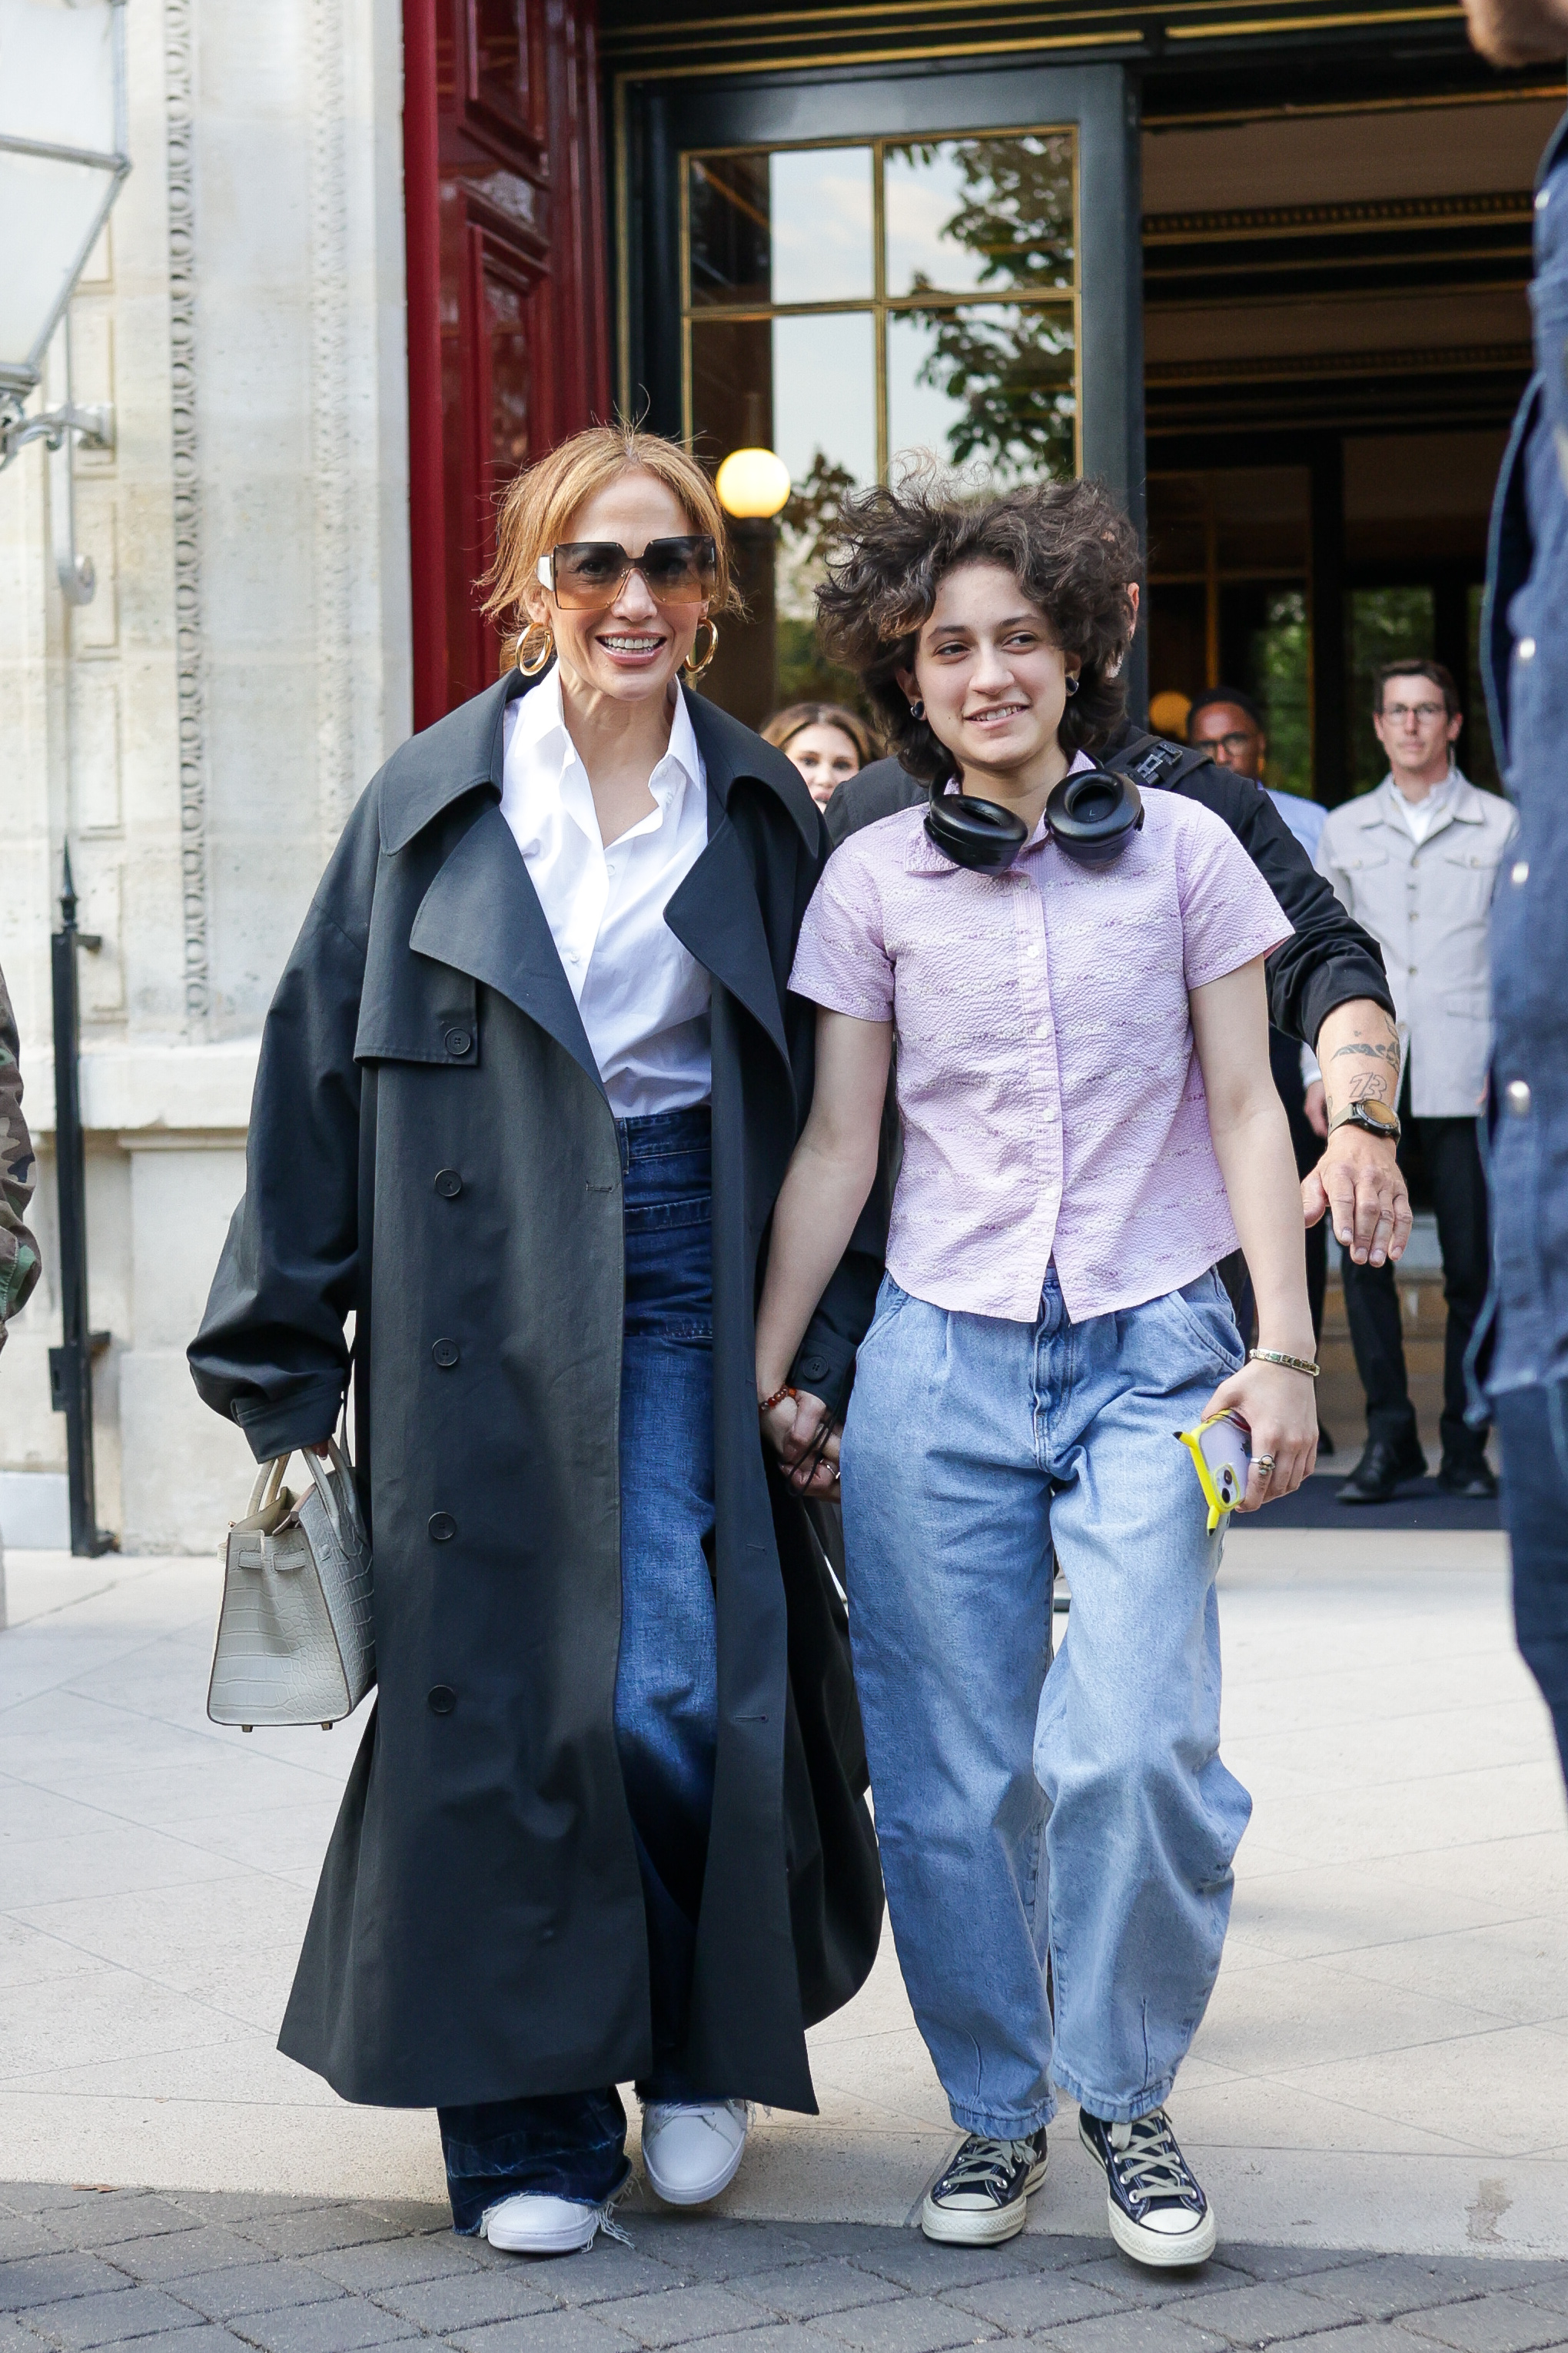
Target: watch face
x=1375 y=1113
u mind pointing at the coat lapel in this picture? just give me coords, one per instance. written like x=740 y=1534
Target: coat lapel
x=482 y=916
x=715 y=916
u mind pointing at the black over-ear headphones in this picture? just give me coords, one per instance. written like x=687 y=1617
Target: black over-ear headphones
x=1091 y=815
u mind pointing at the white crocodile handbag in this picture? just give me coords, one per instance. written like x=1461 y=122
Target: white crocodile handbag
x=295 y=1632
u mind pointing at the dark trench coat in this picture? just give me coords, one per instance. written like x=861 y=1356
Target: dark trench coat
x=431 y=1148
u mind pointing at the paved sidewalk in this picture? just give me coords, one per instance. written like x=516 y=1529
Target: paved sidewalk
x=217 y=2273
x=1383 y=2064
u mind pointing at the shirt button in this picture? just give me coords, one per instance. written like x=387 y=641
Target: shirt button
x=1542 y=198
x=1516 y=1095
x=449 y=1184
x=445 y=1353
x=442 y=1700
x=457 y=1041
x=443 y=1527
x=1520 y=872
x=1527 y=650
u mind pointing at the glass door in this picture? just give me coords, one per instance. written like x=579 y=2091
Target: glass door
x=873 y=295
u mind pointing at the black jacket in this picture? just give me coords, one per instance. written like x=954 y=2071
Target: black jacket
x=431 y=1149
x=1327 y=960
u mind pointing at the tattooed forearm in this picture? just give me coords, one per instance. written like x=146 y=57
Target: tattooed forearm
x=1361 y=1037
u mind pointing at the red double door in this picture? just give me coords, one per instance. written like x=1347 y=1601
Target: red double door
x=508 y=344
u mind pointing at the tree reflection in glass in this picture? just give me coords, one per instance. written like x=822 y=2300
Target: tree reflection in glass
x=996 y=385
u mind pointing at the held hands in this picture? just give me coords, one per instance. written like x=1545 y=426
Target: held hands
x=1358 y=1179
x=1280 y=1410
x=802 y=1434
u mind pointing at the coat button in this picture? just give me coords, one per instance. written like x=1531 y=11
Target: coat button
x=1516 y=1095
x=443 y=1527
x=1526 y=649
x=1518 y=873
x=449 y=1184
x=442 y=1700
x=457 y=1041
x=445 y=1353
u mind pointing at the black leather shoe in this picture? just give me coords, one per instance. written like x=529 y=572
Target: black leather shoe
x=1384 y=1469
x=1474 y=1479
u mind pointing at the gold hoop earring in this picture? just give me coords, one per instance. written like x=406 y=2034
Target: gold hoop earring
x=692 y=667
x=530 y=664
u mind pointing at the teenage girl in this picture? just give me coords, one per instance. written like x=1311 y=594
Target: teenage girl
x=1089 y=1123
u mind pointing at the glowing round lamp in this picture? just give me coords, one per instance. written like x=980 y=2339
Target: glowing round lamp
x=752 y=484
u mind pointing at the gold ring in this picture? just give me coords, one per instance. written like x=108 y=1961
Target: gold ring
x=1264 y=1462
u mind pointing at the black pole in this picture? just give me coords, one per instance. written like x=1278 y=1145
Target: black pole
x=70 y=1366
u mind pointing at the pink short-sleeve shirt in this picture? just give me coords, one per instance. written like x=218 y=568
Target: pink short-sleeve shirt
x=1048 y=1082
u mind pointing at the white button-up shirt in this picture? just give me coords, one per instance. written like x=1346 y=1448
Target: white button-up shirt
x=644 y=998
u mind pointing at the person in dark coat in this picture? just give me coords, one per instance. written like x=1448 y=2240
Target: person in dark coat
x=527 y=1091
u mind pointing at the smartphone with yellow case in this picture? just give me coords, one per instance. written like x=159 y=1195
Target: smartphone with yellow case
x=1222 y=1457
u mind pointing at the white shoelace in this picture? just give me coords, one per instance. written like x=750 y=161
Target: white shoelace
x=983 y=2164
x=1149 y=2160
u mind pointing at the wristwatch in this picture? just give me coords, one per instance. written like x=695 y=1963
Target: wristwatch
x=1375 y=1116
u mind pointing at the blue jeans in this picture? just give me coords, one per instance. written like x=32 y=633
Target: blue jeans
x=571 y=2145
x=1076 y=1810
x=1532 y=1424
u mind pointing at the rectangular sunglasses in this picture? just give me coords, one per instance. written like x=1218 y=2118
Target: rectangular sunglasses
x=583 y=573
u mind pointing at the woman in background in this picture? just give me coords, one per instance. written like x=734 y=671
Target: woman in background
x=826 y=742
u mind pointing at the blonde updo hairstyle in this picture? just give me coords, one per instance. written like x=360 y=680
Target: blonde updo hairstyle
x=537 y=511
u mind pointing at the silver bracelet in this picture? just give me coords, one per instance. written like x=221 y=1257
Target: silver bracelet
x=1291 y=1364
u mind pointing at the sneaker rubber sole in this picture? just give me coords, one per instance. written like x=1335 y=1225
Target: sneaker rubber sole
x=1155 y=2249
x=981 y=2226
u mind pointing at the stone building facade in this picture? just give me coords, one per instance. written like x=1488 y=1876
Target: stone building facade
x=199 y=730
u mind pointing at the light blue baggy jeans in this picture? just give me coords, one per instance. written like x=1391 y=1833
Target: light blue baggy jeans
x=1081 y=1812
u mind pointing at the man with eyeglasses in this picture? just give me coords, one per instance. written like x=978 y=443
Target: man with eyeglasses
x=1415 y=861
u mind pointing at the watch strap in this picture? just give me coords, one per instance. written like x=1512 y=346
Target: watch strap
x=1356 y=1115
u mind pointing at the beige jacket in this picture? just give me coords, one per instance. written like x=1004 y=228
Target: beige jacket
x=1429 y=909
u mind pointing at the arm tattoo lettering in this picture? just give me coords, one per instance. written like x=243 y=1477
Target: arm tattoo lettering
x=1370 y=1084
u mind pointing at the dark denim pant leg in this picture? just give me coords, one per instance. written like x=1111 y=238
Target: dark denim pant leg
x=667 y=1703
x=571 y=2145
x=1532 y=1425
x=564 y=2145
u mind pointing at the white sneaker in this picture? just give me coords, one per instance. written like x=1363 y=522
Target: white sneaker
x=691 y=2152
x=528 y=2224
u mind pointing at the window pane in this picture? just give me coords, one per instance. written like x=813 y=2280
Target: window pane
x=789 y=227
x=808 y=388
x=824 y=393
x=728 y=197
x=992 y=385
x=966 y=216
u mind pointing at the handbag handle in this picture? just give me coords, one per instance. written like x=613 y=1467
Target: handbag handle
x=268 y=1479
x=325 y=1488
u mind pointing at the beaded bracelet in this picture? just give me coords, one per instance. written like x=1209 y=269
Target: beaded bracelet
x=1291 y=1364
x=777 y=1397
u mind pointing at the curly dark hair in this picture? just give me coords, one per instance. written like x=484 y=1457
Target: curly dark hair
x=1068 y=545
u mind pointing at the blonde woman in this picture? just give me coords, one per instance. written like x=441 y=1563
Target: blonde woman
x=527 y=1092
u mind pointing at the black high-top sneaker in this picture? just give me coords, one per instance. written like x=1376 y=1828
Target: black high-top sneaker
x=982 y=2196
x=1159 y=2214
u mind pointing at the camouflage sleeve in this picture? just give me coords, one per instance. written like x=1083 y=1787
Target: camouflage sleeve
x=19 y=1251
